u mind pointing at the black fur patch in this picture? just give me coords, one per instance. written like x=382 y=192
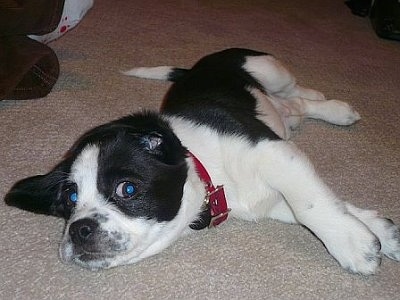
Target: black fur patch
x=141 y=149
x=213 y=93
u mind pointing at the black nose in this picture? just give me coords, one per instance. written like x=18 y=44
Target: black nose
x=82 y=230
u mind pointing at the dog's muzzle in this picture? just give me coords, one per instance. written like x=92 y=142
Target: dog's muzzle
x=88 y=245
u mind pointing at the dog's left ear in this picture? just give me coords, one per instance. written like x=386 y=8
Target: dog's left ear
x=39 y=194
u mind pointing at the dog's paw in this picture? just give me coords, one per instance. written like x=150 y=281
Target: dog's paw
x=365 y=257
x=340 y=113
x=356 y=249
x=387 y=232
x=389 y=235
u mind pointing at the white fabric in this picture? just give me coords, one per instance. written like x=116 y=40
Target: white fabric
x=73 y=12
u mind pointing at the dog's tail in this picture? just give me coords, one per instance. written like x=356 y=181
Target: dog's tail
x=165 y=73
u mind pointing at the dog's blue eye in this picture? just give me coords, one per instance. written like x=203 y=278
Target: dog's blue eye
x=129 y=189
x=70 y=194
x=125 y=190
x=73 y=197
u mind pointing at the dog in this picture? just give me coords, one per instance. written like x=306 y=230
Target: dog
x=220 y=145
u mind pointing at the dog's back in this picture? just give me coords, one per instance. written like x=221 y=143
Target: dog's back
x=215 y=92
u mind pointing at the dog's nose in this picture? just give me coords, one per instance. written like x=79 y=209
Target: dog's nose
x=81 y=230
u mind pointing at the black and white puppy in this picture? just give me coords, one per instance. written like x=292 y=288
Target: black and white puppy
x=130 y=188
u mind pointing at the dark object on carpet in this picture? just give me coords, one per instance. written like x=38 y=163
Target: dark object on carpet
x=385 y=18
x=28 y=69
x=359 y=7
x=384 y=15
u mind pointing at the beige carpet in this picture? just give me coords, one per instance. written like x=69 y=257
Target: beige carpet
x=327 y=48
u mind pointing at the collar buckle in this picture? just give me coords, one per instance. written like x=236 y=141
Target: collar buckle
x=219 y=210
x=210 y=193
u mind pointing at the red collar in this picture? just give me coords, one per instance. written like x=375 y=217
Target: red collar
x=215 y=198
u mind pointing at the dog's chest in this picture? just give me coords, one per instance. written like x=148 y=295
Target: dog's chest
x=234 y=163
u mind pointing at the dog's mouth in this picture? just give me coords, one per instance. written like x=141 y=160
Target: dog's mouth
x=90 y=256
x=93 y=261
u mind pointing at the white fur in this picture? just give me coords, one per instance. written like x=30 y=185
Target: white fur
x=158 y=73
x=84 y=174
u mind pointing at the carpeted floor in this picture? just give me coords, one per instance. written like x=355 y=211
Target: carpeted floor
x=326 y=46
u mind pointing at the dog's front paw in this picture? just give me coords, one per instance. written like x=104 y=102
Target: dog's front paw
x=390 y=239
x=364 y=259
x=340 y=113
x=356 y=249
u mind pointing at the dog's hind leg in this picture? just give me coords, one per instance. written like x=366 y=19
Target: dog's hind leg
x=292 y=100
x=276 y=79
x=284 y=115
x=332 y=111
x=350 y=241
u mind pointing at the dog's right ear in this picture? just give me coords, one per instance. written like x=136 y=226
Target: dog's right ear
x=39 y=194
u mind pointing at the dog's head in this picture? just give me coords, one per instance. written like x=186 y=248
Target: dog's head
x=121 y=189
